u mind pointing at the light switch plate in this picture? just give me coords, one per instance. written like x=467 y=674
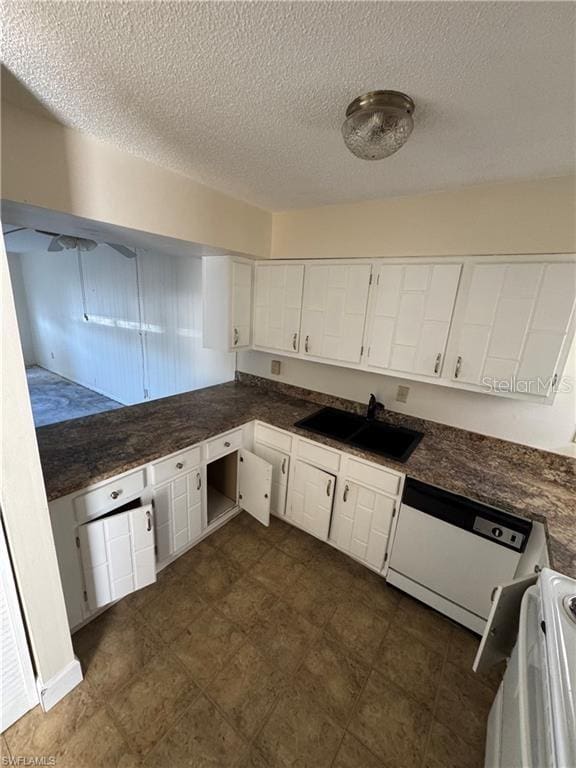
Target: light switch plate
x=275 y=367
x=402 y=394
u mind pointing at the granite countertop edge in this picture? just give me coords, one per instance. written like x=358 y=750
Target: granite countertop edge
x=535 y=484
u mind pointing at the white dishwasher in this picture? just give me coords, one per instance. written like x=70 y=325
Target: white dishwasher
x=450 y=552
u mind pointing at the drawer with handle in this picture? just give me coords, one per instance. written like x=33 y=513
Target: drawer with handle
x=224 y=444
x=109 y=496
x=175 y=465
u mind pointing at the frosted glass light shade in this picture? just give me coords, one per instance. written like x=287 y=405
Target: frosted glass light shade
x=378 y=124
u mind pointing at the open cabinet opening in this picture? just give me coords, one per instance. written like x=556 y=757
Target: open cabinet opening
x=222 y=486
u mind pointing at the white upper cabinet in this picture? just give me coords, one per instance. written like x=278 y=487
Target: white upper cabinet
x=511 y=325
x=409 y=317
x=227 y=303
x=277 y=306
x=334 y=310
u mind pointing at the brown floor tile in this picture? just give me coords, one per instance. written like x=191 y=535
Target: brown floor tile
x=194 y=557
x=390 y=723
x=299 y=734
x=165 y=582
x=312 y=597
x=39 y=733
x=98 y=744
x=200 y=739
x=171 y=612
x=333 y=678
x=373 y=591
x=246 y=601
x=413 y=666
x=273 y=533
x=357 y=629
x=207 y=644
x=301 y=546
x=447 y=750
x=227 y=531
x=353 y=754
x=425 y=623
x=283 y=636
x=151 y=702
x=277 y=571
x=245 y=549
x=212 y=575
x=246 y=689
x=4 y=751
x=112 y=651
x=463 y=704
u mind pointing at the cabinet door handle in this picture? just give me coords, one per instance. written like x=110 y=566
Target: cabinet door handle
x=115 y=494
x=236 y=336
x=329 y=488
x=148 y=521
x=284 y=466
x=346 y=491
x=226 y=444
x=198 y=481
x=294 y=341
x=307 y=344
x=179 y=465
x=458 y=366
x=438 y=361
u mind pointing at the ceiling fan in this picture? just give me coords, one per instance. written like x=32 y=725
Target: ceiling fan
x=60 y=242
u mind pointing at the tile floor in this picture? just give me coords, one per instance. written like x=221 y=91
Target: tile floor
x=264 y=648
x=55 y=399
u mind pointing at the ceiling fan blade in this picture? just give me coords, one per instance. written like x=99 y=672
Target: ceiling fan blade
x=55 y=245
x=44 y=232
x=127 y=252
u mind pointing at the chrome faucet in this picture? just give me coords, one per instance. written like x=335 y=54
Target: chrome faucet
x=373 y=407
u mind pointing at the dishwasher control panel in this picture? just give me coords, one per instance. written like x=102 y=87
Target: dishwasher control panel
x=499 y=532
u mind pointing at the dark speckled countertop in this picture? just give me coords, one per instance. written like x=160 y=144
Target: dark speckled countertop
x=536 y=484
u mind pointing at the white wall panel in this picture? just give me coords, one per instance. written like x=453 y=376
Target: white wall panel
x=176 y=361
x=127 y=328
x=24 y=327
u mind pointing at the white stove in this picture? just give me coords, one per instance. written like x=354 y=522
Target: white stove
x=532 y=723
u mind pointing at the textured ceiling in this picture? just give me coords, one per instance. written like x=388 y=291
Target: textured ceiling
x=248 y=97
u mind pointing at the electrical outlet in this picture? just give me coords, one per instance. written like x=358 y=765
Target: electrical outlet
x=402 y=394
x=275 y=367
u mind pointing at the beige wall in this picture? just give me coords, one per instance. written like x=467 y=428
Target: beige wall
x=24 y=505
x=522 y=217
x=47 y=165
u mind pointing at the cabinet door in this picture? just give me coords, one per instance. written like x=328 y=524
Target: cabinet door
x=502 y=625
x=334 y=310
x=311 y=498
x=280 y=463
x=117 y=554
x=241 y=303
x=178 y=514
x=513 y=325
x=361 y=523
x=410 y=316
x=277 y=306
x=254 y=485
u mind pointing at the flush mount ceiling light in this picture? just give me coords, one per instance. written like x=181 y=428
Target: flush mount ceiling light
x=377 y=124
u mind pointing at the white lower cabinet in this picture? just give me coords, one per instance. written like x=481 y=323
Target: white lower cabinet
x=117 y=553
x=361 y=523
x=178 y=514
x=280 y=463
x=311 y=498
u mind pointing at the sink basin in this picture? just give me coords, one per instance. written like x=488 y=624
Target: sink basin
x=384 y=439
x=395 y=442
x=332 y=423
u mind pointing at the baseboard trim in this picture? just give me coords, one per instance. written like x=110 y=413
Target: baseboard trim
x=52 y=691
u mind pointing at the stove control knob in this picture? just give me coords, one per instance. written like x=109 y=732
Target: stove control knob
x=497 y=532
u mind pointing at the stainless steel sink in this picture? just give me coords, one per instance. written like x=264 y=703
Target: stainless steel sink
x=384 y=439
